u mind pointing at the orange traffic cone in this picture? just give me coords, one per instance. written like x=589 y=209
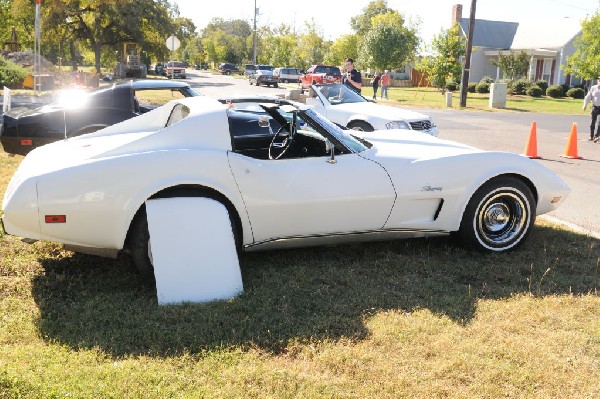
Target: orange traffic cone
x=571 y=149
x=531 y=147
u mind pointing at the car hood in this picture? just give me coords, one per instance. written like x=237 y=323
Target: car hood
x=380 y=111
x=410 y=146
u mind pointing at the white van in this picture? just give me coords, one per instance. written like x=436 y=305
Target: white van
x=287 y=75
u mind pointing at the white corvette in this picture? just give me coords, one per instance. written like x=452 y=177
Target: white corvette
x=287 y=176
x=343 y=106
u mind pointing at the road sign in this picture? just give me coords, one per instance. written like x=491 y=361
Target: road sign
x=173 y=43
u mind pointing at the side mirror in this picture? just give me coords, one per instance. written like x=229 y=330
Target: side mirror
x=330 y=148
x=263 y=121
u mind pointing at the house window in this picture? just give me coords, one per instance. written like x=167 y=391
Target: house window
x=547 y=70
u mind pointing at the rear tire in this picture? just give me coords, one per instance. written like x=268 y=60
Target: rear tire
x=498 y=216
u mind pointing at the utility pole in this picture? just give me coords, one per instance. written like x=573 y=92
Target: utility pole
x=254 y=37
x=465 y=76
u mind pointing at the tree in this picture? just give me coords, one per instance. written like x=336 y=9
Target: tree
x=101 y=23
x=279 y=47
x=226 y=41
x=311 y=45
x=362 y=22
x=444 y=63
x=585 y=61
x=345 y=46
x=388 y=44
x=514 y=65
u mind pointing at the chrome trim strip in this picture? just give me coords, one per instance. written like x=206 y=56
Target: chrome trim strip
x=341 y=238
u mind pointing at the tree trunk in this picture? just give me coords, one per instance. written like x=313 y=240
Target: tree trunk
x=97 y=49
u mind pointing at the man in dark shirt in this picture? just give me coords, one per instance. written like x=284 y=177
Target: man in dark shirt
x=352 y=78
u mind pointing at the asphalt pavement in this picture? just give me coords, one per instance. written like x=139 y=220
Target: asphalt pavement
x=495 y=131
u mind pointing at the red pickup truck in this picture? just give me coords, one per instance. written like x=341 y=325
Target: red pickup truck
x=320 y=74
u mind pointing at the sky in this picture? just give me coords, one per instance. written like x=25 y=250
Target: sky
x=333 y=16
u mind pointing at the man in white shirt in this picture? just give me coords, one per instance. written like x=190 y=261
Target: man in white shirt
x=593 y=96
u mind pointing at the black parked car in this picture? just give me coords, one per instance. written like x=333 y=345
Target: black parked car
x=24 y=129
x=228 y=69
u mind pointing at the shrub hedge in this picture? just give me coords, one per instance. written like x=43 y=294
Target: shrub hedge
x=534 y=91
x=519 y=86
x=482 y=87
x=472 y=87
x=576 y=92
x=11 y=74
x=555 y=91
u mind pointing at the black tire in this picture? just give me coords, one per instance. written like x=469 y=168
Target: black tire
x=285 y=81
x=498 y=216
x=360 y=125
x=227 y=72
x=275 y=85
x=139 y=246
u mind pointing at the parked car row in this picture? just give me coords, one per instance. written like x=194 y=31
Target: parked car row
x=271 y=76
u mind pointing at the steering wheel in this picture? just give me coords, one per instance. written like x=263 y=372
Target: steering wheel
x=283 y=144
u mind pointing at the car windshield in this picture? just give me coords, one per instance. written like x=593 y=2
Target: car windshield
x=339 y=94
x=265 y=67
x=346 y=139
x=176 y=64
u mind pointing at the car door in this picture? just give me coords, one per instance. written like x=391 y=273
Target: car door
x=308 y=196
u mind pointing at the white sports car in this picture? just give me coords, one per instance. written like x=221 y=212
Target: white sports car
x=347 y=108
x=287 y=176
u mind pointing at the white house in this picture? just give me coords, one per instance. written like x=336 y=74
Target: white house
x=547 y=42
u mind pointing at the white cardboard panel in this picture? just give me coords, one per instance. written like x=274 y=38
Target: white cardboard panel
x=193 y=250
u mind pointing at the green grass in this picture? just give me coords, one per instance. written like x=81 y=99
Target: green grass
x=416 y=318
x=432 y=98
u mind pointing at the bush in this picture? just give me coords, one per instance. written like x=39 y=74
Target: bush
x=451 y=86
x=534 y=91
x=11 y=74
x=555 y=91
x=576 y=92
x=472 y=87
x=486 y=79
x=519 y=86
x=482 y=87
x=565 y=88
x=542 y=84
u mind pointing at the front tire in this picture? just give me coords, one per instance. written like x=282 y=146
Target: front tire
x=360 y=126
x=499 y=215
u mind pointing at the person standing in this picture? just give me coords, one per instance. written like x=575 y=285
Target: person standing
x=385 y=83
x=352 y=78
x=593 y=96
x=376 y=79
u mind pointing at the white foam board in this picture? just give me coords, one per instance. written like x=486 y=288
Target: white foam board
x=193 y=250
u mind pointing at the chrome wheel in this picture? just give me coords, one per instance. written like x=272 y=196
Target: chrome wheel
x=501 y=219
x=498 y=216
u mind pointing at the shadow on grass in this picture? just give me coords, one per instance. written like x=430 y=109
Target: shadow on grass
x=303 y=295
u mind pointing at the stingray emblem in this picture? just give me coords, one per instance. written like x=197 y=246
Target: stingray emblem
x=429 y=188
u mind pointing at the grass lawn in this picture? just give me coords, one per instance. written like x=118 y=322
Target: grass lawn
x=416 y=319
x=432 y=98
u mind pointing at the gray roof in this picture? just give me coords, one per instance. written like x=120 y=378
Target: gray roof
x=551 y=35
x=491 y=34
